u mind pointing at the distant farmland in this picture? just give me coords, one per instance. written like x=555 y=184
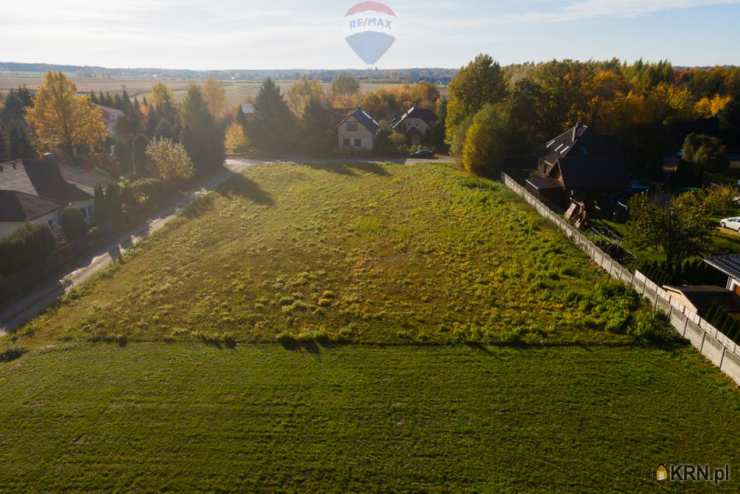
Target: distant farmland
x=236 y=91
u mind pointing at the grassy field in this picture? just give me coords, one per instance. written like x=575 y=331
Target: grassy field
x=155 y=417
x=237 y=92
x=357 y=253
x=437 y=335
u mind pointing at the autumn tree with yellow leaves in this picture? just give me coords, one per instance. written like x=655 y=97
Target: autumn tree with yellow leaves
x=61 y=118
x=215 y=96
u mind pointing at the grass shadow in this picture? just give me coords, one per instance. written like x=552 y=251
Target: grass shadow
x=294 y=345
x=200 y=206
x=349 y=168
x=336 y=167
x=369 y=167
x=240 y=186
x=12 y=354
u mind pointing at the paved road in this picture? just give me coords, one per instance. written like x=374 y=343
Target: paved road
x=49 y=292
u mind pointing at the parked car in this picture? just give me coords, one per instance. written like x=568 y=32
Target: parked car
x=731 y=224
x=423 y=154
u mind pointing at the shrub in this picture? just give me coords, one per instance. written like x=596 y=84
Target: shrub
x=31 y=246
x=73 y=224
x=170 y=160
x=653 y=327
x=488 y=141
x=720 y=200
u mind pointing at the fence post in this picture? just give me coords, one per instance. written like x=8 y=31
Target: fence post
x=701 y=349
x=722 y=360
x=685 y=325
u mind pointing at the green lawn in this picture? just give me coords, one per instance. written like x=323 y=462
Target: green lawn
x=151 y=417
x=437 y=335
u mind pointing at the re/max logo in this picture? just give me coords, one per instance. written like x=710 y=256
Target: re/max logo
x=694 y=473
x=370 y=22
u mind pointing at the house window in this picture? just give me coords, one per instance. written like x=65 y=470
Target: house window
x=346 y=142
x=358 y=143
x=351 y=127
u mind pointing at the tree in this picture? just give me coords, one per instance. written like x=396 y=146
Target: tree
x=61 y=118
x=17 y=143
x=318 y=132
x=163 y=104
x=711 y=107
x=345 y=85
x=170 y=160
x=236 y=139
x=679 y=229
x=479 y=83
x=301 y=93
x=729 y=121
x=215 y=96
x=273 y=127
x=73 y=224
x=14 y=108
x=487 y=142
x=161 y=96
x=165 y=130
x=202 y=136
x=113 y=209
x=705 y=153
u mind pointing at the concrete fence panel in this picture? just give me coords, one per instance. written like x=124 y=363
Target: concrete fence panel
x=713 y=350
x=695 y=335
x=731 y=366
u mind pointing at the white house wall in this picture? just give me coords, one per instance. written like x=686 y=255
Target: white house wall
x=367 y=138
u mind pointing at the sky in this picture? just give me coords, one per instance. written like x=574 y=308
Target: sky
x=293 y=34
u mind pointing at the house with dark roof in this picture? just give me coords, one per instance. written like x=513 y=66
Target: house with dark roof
x=18 y=208
x=416 y=124
x=36 y=191
x=579 y=165
x=730 y=266
x=357 y=131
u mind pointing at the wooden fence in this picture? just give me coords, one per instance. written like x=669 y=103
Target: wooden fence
x=712 y=343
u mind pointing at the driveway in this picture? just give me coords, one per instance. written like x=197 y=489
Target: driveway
x=50 y=291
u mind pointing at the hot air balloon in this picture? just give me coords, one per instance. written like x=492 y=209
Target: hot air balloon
x=370 y=30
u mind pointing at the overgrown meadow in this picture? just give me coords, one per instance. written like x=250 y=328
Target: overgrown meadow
x=361 y=253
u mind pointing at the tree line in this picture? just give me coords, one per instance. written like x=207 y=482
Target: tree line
x=496 y=112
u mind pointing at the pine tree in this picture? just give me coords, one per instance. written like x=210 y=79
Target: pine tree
x=316 y=127
x=18 y=145
x=201 y=135
x=273 y=128
x=113 y=205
